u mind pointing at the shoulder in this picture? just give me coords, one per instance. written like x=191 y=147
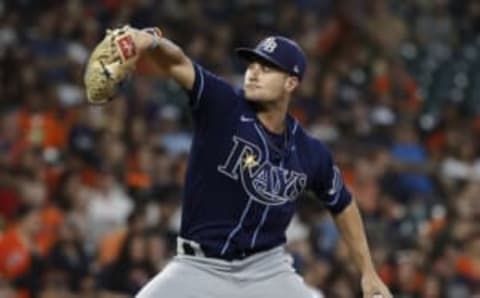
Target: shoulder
x=309 y=143
x=313 y=153
x=211 y=93
x=207 y=84
x=204 y=76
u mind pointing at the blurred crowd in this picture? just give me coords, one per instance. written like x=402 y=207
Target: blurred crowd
x=90 y=196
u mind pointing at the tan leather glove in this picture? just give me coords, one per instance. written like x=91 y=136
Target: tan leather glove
x=112 y=61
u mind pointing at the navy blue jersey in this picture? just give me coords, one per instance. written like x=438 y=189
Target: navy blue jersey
x=242 y=180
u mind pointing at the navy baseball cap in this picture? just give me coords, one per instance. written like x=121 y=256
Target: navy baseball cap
x=280 y=51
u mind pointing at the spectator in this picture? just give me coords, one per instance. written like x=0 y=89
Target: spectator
x=21 y=261
x=69 y=257
x=131 y=270
x=108 y=207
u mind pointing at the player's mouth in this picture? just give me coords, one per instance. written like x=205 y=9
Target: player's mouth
x=252 y=86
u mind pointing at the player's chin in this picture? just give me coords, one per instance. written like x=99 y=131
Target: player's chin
x=251 y=98
x=254 y=96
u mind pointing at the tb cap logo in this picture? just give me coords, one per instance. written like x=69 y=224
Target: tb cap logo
x=269 y=45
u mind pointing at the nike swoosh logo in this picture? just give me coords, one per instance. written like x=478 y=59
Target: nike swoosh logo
x=245 y=119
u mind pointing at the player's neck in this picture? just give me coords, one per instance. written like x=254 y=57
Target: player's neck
x=273 y=117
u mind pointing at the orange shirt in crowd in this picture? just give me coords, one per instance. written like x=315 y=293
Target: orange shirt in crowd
x=14 y=254
x=110 y=246
x=51 y=220
x=137 y=178
x=45 y=128
x=15 y=258
x=466 y=266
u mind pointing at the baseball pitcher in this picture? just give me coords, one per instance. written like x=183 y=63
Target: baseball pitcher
x=249 y=162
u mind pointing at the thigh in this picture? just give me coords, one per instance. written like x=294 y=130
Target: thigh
x=285 y=285
x=180 y=279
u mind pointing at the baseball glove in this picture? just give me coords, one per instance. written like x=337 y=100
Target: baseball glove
x=111 y=62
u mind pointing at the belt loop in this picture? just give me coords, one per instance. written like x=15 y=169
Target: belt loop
x=180 y=249
x=194 y=245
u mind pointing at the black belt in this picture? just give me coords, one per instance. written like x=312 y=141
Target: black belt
x=190 y=251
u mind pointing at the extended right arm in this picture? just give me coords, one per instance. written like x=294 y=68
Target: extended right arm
x=169 y=57
x=208 y=94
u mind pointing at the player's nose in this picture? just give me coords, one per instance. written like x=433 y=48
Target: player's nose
x=254 y=71
x=255 y=67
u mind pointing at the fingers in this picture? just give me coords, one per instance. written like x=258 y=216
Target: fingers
x=154 y=31
x=376 y=295
x=380 y=293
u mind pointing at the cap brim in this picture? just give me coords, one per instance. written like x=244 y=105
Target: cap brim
x=255 y=55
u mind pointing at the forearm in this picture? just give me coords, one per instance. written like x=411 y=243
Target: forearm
x=350 y=225
x=169 y=57
x=167 y=54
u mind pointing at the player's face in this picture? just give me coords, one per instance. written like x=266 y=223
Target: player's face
x=265 y=83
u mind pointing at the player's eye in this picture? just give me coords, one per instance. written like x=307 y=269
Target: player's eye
x=251 y=66
x=266 y=68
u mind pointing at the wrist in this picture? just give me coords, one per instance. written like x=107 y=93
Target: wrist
x=368 y=270
x=155 y=36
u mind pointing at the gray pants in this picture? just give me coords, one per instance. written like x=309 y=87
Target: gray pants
x=264 y=275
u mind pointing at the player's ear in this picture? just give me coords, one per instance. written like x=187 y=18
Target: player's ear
x=291 y=83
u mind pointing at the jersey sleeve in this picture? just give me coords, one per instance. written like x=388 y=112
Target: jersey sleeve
x=211 y=95
x=328 y=185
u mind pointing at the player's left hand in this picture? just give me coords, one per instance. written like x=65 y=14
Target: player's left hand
x=373 y=287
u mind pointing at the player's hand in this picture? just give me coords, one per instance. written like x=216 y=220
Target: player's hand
x=373 y=287
x=114 y=59
x=146 y=38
